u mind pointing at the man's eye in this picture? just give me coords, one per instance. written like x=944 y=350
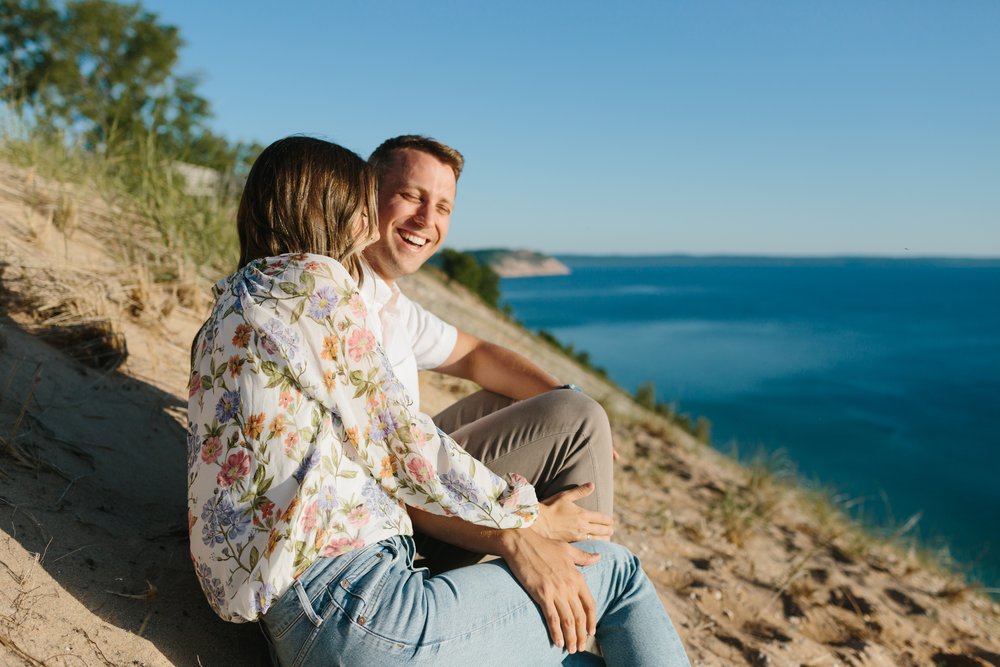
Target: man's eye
x=444 y=210
x=409 y=196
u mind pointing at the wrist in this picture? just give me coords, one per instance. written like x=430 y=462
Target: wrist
x=509 y=541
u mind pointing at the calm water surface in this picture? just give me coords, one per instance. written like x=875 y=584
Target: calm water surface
x=879 y=378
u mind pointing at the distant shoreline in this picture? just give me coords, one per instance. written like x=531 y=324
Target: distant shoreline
x=777 y=260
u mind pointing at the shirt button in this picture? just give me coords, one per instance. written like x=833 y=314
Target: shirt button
x=345 y=583
x=361 y=620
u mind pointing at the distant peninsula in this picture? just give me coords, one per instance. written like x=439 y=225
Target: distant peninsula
x=520 y=263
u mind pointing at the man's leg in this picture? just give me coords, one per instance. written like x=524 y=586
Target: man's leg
x=557 y=440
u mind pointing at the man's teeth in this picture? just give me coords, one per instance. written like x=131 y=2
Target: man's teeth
x=414 y=240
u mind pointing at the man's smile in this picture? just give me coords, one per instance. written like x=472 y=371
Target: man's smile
x=412 y=239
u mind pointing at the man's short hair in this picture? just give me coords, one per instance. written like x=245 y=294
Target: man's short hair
x=382 y=157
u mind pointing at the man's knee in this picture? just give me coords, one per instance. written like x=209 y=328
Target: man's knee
x=577 y=406
x=615 y=558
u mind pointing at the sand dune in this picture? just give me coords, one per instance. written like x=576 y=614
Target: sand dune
x=93 y=542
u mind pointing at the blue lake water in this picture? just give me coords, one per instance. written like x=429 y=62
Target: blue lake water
x=879 y=378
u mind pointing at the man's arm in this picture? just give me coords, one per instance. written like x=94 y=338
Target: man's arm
x=496 y=368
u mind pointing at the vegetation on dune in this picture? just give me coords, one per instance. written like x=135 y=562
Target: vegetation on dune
x=91 y=97
x=464 y=269
x=105 y=74
x=700 y=427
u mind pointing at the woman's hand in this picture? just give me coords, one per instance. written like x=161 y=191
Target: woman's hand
x=547 y=570
x=560 y=518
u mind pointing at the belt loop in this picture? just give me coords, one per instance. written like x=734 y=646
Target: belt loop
x=300 y=591
x=410 y=547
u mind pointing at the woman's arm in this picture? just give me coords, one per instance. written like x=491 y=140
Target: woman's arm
x=546 y=568
x=310 y=310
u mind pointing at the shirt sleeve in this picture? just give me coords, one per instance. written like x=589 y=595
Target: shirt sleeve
x=317 y=318
x=431 y=338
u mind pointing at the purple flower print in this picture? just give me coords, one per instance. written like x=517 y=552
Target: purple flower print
x=307 y=464
x=228 y=406
x=263 y=598
x=461 y=489
x=322 y=303
x=212 y=586
x=328 y=498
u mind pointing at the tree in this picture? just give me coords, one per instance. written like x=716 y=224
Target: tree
x=465 y=269
x=104 y=73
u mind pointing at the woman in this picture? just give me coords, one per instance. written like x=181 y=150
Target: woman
x=308 y=467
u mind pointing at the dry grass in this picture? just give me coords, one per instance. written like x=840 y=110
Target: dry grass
x=17 y=597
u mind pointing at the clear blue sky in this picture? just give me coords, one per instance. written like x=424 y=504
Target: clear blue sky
x=797 y=127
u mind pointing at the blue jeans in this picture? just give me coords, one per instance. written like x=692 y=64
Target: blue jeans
x=371 y=607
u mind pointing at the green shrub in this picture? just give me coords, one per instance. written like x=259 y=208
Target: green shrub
x=466 y=270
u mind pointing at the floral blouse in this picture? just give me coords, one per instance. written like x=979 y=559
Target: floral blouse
x=301 y=442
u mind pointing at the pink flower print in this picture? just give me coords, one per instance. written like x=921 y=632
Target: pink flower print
x=312 y=266
x=211 y=448
x=268 y=345
x=291 y=440
x=358 y=308
x=341 y=545
x=360 y=343
x=419 y=434
x=308 y=519
x=420 y=469
x=194 y=384
x=285 y=399
x=358 y=516
x=236 y=467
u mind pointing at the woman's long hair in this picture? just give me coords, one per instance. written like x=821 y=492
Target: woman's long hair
x=307 y=195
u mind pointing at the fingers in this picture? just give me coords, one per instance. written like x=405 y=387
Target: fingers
x=568 y=618
x=578 y=492
x=590 y=609
x=599 y=532
x=554 y=621
x=615 y=455
x=580 y=629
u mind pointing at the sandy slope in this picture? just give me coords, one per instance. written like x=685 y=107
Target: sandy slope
x=93 y=556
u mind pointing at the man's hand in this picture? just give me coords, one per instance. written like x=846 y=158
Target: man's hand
x=560 y=518
x=547 y=570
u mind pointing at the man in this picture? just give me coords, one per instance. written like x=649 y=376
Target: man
x=525 y=420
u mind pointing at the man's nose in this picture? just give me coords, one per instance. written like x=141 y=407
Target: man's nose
x=425 y=214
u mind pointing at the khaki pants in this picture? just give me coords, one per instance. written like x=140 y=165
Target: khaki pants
x=557 y=440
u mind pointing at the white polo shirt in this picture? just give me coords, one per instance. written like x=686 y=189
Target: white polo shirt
x=413 y=339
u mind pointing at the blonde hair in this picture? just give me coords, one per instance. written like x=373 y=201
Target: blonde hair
x=305 y=195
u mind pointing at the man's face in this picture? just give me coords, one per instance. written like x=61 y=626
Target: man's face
x=415 y=198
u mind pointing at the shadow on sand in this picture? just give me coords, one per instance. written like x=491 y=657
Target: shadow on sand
x=105 y=503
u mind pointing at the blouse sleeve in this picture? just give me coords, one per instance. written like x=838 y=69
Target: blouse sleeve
x=317 y=319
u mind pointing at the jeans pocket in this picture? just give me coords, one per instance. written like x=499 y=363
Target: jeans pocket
x=358 y=586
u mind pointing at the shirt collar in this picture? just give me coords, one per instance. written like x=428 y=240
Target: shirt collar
x=376 y=291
